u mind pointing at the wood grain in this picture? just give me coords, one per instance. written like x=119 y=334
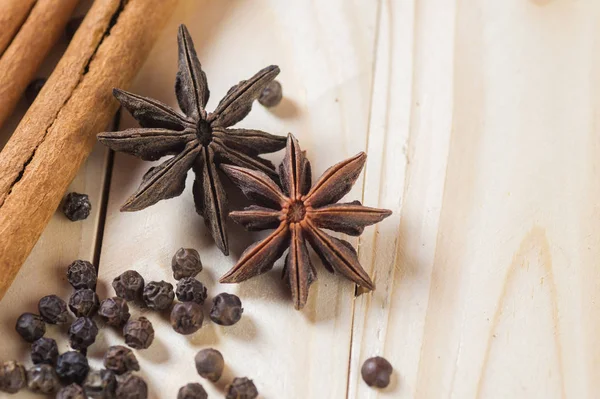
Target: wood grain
x=12 y=15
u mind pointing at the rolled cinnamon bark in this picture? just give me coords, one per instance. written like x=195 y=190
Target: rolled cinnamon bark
x=12 y=16
x=59 y=130
x=18 y=64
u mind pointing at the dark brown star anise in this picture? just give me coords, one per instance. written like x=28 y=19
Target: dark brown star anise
x=199 y=140
x=298 y=213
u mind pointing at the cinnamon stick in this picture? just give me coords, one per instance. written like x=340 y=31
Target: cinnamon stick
x=12 y=16
x=59 y=130
x=21 y=60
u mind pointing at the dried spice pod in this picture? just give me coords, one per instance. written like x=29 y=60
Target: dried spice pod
x=191 y=290
x=44 y=350
x=186 y=317
x=84 y=303
x=226 y=310
x=120 y=360
x=241 y=388
x=31 y=327
x=13 y=376
x=82 y=333
x=158 y=295
x=114 y=311
x=71 y=391
x=210 y=364
x=72 y=367
x=100 y=384
x=129 y=285
x=76 y=207
x=198 y=139
x=138 y=333
x=271 y=95
x=82 y=274
x=193 y=390
x=186 y=263
x=376 y=372
x=53 y=309
x=42 y=379
x=131 y=386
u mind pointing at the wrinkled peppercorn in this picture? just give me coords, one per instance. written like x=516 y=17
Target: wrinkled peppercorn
x=84 y=303
x=44 y=350
x=271 y=95
x=72 y=367
x=193 y=390
x=34 y=88
x=77 y=206
x=187 y=317
x=53 y=309
x=376 y=371
x=72 y=27
x=114 y=311
x=191 y=290
x=100 y=384
x=158 y=295
x=129 y=285
x=130 y=386
x=82 y=274
x=186 y=263
x=226 y=310
x=72 y=391
x=31 y=327
x=139 y=333
x=210 y=364
x=241 y=388
x=120 y=360
x=82 y=333
x=13 y=377
x=42 y=379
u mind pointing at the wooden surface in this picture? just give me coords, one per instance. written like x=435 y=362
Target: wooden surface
x=479 y=119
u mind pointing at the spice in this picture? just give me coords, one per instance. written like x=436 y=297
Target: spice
x=187 y=317
x=186 y=263
x=84 y=303
x=120 y=360
x=210 y=364
x=82 y=274
x=129 y=285
x=42 y=379
x=31 y=327
x=226 y=310
x=199 y=140
x=33 y=89
x=82 y=333
x=44 y=350
x=77 y=206
x=12 y=376
x=241 y=388
x=114 y=311
x=193 y=390
x=130 y=386
x=139 y=333
x=72 y=27
x=53 y=309
x=158 y=295
x=191 y=290
x=271 y=95
x=72 y=367
x=100 y=384
x=298 y=213
x=376 y=371
x=71 y=391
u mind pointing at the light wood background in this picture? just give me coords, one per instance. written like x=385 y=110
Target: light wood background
x=480 y=121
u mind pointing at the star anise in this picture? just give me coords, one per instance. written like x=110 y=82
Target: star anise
x=298 y=213
x=199 y=140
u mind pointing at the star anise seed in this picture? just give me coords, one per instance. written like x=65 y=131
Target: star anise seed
x=199 y=140
x=298 y=213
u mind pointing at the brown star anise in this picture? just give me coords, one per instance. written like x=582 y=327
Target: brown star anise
x=298 y=213
x=199 y=140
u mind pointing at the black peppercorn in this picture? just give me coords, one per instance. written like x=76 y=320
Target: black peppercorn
x=72 y=27
x=82 y=333
x=158 y=295
x=187 y=317
x=376 y=371
x=84 y=303
x=114 y=311
x=42 y=379
x=271 y=95
x=186 y=263
x=34 y=88
x=44 y=350
x=226 y=310
x=77 y=206
x=12 y=377
x=241 y=388
x=139 y=333
x=191 y=290
x=82 y=274
x=72 y=367
x=100 y=384
x=193 y=390
x=72 y=391
x=130 y=386
x=129 y=285
x=120 y=360
x=31 y=327
x=53 y=309
x=210 y=364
